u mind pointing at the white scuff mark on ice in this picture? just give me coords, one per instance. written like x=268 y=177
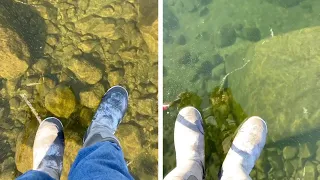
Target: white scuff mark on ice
x=271 y=32
x=305 y=113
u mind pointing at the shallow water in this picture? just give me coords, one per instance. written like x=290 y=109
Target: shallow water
x=244 y=58
x=68 y=54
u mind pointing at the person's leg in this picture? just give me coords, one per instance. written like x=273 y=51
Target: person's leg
x=189 y=145
x=102 y=157
x=245 y=150
x=48 y=149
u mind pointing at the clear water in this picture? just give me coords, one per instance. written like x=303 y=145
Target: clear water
x=109 y=39
x=258 y=43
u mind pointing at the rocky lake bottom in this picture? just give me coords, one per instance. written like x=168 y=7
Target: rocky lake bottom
x=62 y=56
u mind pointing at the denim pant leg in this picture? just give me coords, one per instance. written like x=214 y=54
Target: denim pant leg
x=102 y=160
x=35 y=175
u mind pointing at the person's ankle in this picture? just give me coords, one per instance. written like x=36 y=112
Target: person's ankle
x=52 y=172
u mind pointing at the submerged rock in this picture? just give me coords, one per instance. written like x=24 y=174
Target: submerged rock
x=289 y=152
x=204 y=12
x=305 y=150
x=289 y=169
x=310 y=171
x=226 y=36
x=251 y=34
x=130 y=139
x=181 y=40
x=60 y=101
x=170 y=20
x=150 y=36
x=14 y=54
x=92 y=97
x=114 y=78
x=84 y=70
x=285 y=80
x=86 y=115
x=102 y=27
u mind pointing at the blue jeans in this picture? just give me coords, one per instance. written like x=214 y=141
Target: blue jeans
x=102 y=160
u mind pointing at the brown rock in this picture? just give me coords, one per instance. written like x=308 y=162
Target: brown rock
x=150 y=36
x=13 y=54
x=60 y=101
x=84 y=70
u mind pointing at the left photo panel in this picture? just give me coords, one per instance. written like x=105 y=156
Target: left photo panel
x=78 y=89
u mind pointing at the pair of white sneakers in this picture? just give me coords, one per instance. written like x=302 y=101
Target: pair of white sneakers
x=189 y=144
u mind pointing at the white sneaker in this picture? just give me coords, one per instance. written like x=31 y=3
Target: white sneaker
x=48 y=147
x=245 y=150
x=189 y=145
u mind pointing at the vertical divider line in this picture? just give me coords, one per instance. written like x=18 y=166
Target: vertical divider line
x=160 y=89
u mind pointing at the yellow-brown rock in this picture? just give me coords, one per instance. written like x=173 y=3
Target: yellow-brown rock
x=13 y=54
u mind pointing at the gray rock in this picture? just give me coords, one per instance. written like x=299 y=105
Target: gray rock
x=289 y=152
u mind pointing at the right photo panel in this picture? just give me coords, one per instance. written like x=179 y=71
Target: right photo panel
x=240 y=81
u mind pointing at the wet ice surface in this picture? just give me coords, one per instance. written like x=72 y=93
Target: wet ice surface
x=63 y=56
x=265 y=66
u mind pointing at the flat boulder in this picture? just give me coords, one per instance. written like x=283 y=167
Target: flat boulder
x=84 y=71
x=278 y=79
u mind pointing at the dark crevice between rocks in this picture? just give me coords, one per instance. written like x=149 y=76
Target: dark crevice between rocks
x=27 y=22
x=5 y=149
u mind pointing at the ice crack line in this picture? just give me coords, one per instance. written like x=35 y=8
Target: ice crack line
x=225 y=77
